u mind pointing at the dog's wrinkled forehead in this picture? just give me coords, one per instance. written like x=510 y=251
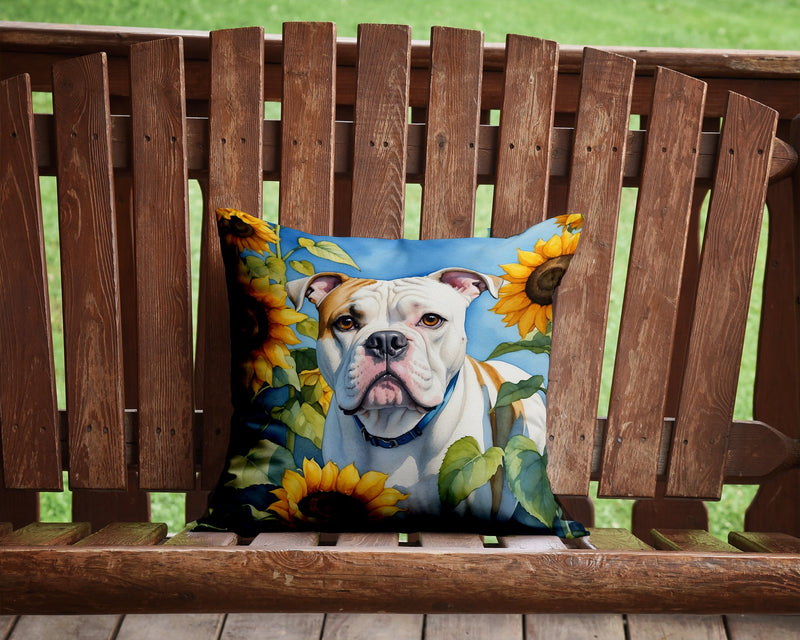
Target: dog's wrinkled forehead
x=466 y=283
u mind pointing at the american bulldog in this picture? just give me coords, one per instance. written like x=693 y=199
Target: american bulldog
x=404 y=390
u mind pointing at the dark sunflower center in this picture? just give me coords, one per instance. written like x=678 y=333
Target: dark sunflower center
x=332 y=507
x=238 y=227
x=545 y=278
x=253 y=324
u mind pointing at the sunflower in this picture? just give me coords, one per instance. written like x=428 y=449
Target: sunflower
x=527 y=299
x=329 y=496
x=265 y=331
x=313 y=378
x=572 y=222
x=245 y=231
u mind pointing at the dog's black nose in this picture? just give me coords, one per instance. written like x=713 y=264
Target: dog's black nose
x=386 y=344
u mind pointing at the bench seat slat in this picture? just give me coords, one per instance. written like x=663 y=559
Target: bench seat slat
x=689 y=540
x=46 y=534
x=126 y=534
x=451 y=149
x=601 y=133
x=764 y=542
x=31 y=451
x=726 y=272
x=166 y=404
x=90 y=274
x=649 y=315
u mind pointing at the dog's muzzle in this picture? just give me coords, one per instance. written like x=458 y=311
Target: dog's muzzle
x=386 y=345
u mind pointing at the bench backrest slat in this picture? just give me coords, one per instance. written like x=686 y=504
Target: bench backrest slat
x=90 y=281
x=526 y=133
x=380 y=136
x=166 y=404
x=723 y=296
x=31 y=451
x=307 y=116
x=235 y=179
x=639 y=387
x=448 y=193
x=598 y=157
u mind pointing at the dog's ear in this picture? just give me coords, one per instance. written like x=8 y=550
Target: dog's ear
x=468 y=282
x=315 y=287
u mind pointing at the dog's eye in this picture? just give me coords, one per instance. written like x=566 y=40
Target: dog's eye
x=345 y=323
x=431 y=320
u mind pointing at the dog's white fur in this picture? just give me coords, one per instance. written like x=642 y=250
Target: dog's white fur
x=419 y=323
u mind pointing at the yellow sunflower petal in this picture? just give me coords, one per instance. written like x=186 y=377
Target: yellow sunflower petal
x=283 y=334
x=295 y=485
x=552 y=248
x=285 y=316
x=262 y=371
x=383 y=512
x=370 y=486
x=387 y=498
x=511 y=303
x=541 y=320
x=348 y=479
x=517 y=271
x=529 y=258
x=312 y=474
x=511 y=288
x=276 y=353
x=528 y=319
x=330 y=473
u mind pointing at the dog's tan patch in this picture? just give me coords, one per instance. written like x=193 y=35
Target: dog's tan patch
x=338 y=302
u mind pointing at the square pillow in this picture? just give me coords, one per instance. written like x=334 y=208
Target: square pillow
x=389 y=384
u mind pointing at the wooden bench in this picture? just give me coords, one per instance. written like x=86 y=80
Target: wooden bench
x=139 y=115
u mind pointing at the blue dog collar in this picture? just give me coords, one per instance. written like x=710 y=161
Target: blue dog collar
x=416 y=431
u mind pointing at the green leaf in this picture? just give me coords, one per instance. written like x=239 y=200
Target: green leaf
x=305 y=242
x=303 y=267
x=538 y=344
x=526 y=473
x=256 y=266
x=305 y=358
x=308 y=327
x=328 y=250
x=277 y=269
x=465 y=468
x=285 y=377
x=510 y=392
x=263 y=464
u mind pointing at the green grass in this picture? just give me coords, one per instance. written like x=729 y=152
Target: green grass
x=642 y=23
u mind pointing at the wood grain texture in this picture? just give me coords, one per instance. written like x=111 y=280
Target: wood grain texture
x=524 y=145
x=31 y=451
x=764 y=542
x=100 y=508
x=473 y=625
x=126 y=534
x=38 y=580
x=649 y=313
x=689 y=540
x=18 y=507
x=380 y=131
x=89 y=275
x=307 y=117
x=39 y=534
x=646 y=627
x=755 y=627
x=66 y=627
x=286 y=626
x=726 y=272
x=577 y=626
x=615 y=539
x=451 y=156
x=198 y=626
x=599 y=144
x=189 y=538
x=235 y=180
x=166 y=405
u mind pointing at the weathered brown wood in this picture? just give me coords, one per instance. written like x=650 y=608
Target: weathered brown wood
x=644 y=627
x=380 y=130
x=649 y=315
x=162 y=266
x=189 y=538
x=765 y=542
x=755 y=627
x=46 y=534
x=5 y=528
x=661 y=512
x=543 y=626
x=450 y=540
x=307 y=142
x=451 y=157
x=212 y=579
x=726 y=272
x=31 y=452
x=101 y=508
x=595 y=186
x=615 y=539
x=18 y=507
x=531 y=543
x=689 y=540
x=90 y=274
x=286 y=540
x=526 y=123
x=236 y=120
x=126 y=534
x=443 y=626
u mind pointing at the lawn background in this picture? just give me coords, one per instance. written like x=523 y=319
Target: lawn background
x=735 y=24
